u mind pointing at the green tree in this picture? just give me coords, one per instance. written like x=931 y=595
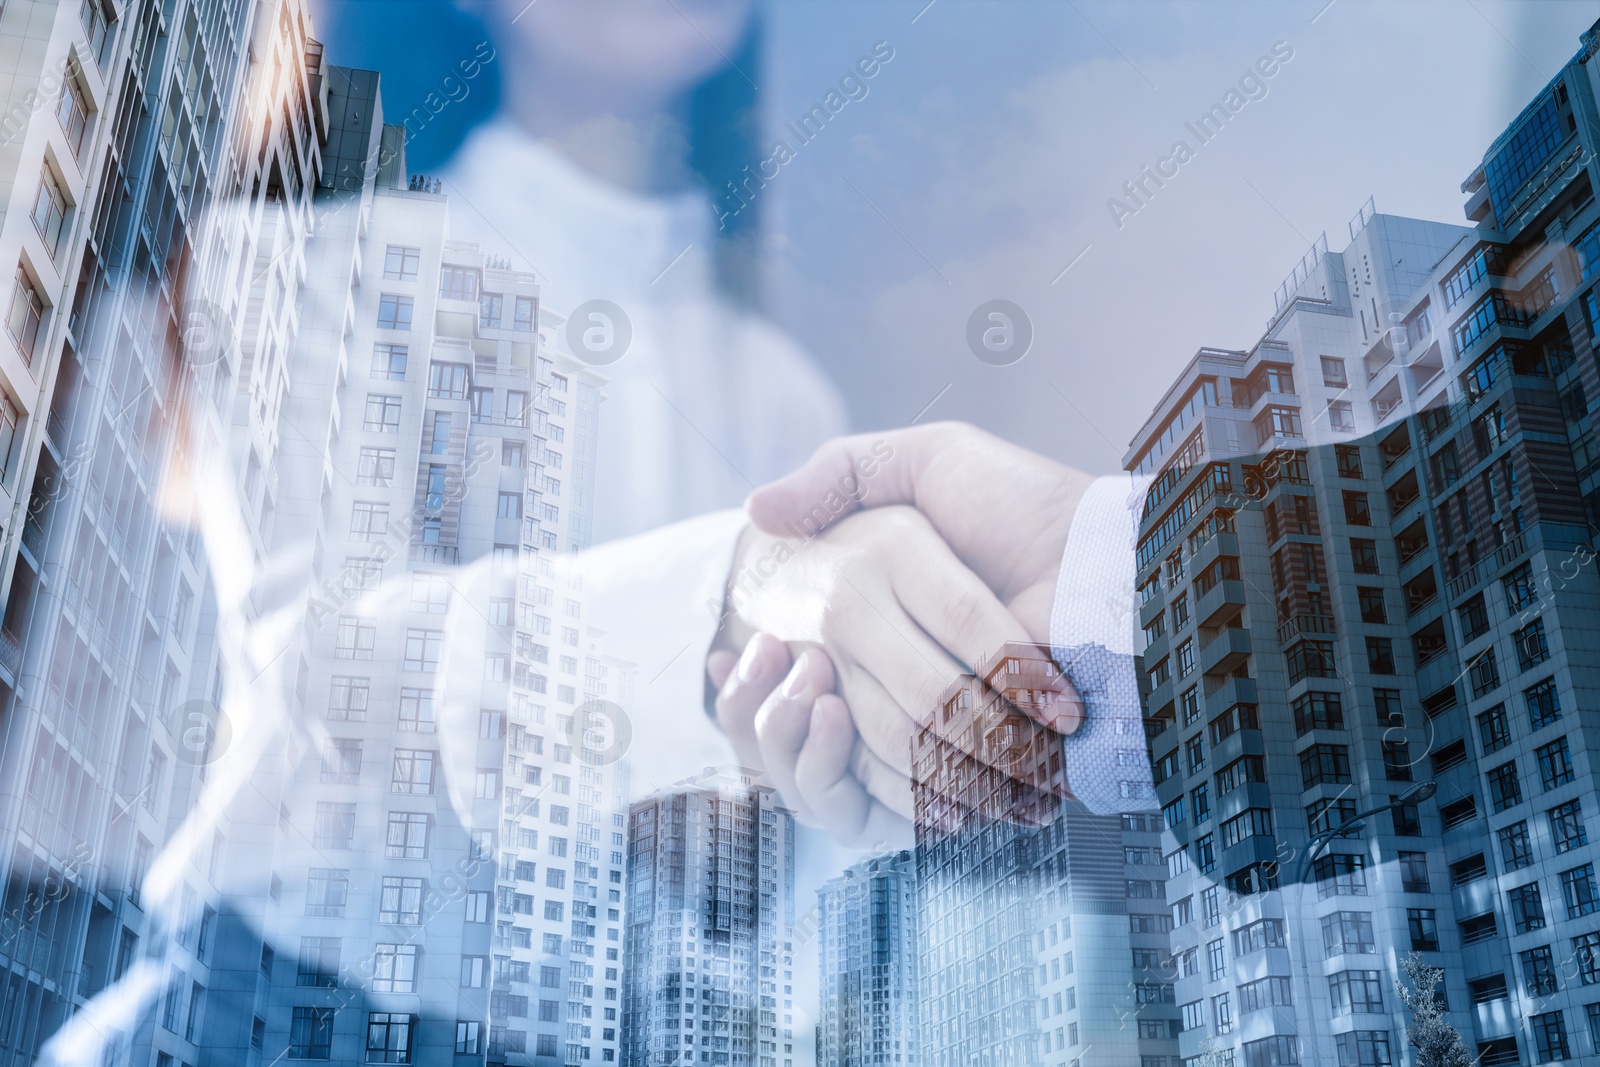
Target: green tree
x=1438 y=1044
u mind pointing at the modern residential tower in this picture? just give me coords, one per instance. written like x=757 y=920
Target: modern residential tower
x=1365 y=564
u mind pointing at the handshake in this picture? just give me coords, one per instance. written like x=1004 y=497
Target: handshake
x=836 y=644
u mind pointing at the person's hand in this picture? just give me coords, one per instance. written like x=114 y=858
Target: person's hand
x=1003 y=510
x=897 y=613
x=782 y=719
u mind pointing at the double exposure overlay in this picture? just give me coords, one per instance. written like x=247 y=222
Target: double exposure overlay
x=688 y=532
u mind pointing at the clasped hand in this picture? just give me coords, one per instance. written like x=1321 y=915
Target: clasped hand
x=837 y=647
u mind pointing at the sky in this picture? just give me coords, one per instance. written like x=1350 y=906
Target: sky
x=980 y=165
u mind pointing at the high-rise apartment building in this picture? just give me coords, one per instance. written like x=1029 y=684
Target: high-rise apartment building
x=1365 y=563
x=867 y=962
x=710 y=944
x=298 y=703
x=127 y=129
x=1042 y=933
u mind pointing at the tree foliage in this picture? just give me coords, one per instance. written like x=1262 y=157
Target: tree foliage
x=1438 y=1044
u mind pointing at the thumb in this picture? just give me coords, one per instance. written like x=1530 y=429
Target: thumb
x=847 y=474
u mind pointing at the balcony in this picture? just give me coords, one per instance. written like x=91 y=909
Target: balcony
x=10 y=654
x=1223 y=600
x=450 y=554
x=1233 y=691
x=1228 y=651
x=1223 y=544
x=1440 y=671
x=1295 y=625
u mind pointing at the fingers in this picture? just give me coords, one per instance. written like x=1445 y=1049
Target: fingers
x=951 y=604
x=835 y=795
x=719 y=667
x=782 y=721
x=848 y=473
x=759 y=669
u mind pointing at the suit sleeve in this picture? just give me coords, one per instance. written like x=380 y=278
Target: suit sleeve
x=1092 y=633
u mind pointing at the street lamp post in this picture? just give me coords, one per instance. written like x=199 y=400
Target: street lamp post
x=1358 y=822
x=1313 y=848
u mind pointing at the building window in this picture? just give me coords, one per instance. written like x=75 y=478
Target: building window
x=1579 y=892
x=413 y=772
x=1185 y=659
x=458 y=283
x=1380 y=655
x=400 y=901
x=1269 y=992
x=355 y=638
x=375 y=466
x=389 y=1037
x=347 y=699
x=517 y=412
x=1483 y=672
x=27 y=311
x=341 y=761
x=1474 y=618
x=1341 y=416
x=1586 y=954
x=1347 y=932
x=491 y=307
x=319 y=962
x=1372 y=606
x=1566 y=826
x=394 y=311
x=1493 y=731
x=368 y=521
x=1277 y=420
x=1414 y=872
x=1520 y=590
x=416 y=710
x=1356 y=992
x=394 y=969
x=401 y=263
x=50 y=211
x=1555 y=763
x=389 y=361
x=1505 y=788
x=72 y=111
x=430 y=593
x=1322 y=764
x=311 y=1034
x=1516 y=850
x=1364 y=555
x=1282 y=1050
x=523 y=313
x=1532 y=646
x=1527 y=907
x=1363 y=1048
x=1550 y=1037
x=1423 y=924
x=1544 y=704
x=327 y=891
x=1349 y=461
x=1340 y=874
x=1310 y=659
x=1216 y=960
x=468 y=1037
x=423 y=648
x=8 y=433
x=407 y=835
x=1333 y=373
x=447 y=381
x=383 y=413
x=1397 y=761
